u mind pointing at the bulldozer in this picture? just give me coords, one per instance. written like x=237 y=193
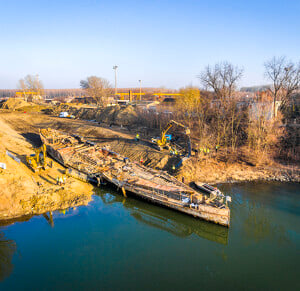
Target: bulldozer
x=165 y=140
x=37 y=161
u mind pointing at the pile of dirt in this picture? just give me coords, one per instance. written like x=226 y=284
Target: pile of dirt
x=112 y=115
x=15 y=104
x=126 y=116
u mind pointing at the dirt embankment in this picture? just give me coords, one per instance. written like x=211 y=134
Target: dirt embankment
x=112 y=115
x=23 y=192
x=239 y=166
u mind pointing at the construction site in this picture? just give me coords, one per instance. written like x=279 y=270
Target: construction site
x=31 y=181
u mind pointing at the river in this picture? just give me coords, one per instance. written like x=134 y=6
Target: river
x=127 y=244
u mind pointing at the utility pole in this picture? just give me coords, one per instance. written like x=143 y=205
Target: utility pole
x=115 y=68
x=140 y=90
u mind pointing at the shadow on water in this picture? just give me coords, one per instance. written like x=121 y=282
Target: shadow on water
x=7 y=250
x=178 y=224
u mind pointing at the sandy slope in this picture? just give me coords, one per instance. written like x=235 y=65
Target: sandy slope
x=23 y=192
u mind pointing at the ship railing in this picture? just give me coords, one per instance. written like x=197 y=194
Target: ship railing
x=181 y=197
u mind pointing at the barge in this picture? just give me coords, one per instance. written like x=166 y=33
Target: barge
x=87 y=161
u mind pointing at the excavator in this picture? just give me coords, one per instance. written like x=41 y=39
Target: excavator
x=37 y=161
x=164 y=141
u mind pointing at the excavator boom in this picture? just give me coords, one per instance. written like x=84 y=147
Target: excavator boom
x=163 y=140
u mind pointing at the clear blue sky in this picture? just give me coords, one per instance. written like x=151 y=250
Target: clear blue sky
x=163 y=43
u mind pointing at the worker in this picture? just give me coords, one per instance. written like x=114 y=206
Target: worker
x=207 y=150
x=217 y=147
x=175 y=152
x=65 y=179
x=141 y=161
x=61 y=180
x=137 y=137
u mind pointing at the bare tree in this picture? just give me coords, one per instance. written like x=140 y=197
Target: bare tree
x=222 y=78
x=226 y=117
x=31 y=85
x=98 y=88
x=285 y=77
x=291 y=82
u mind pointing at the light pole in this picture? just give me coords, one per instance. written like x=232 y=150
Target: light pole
x=140 y=90
x=115 y=68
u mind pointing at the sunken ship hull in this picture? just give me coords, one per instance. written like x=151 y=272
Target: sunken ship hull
x=89 y=162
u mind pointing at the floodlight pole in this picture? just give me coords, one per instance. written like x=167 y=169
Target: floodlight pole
x=115 y=68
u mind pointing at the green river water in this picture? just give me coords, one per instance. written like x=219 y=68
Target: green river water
x=127 y=244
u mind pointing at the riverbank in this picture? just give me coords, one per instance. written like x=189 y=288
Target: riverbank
x=23 y=192
x=213 y=170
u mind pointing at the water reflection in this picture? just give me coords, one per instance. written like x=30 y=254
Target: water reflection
x=257 y=214
x=260 y=225
x=173 y=222
x=7 y=250
x=49 y=218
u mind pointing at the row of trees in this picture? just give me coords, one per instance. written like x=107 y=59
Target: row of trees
x=222 y=119
x=222 y=78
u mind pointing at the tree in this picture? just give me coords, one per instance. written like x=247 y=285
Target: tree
x=31 y=84
x=97 y=88
x=285 y=77
x=222 y=78
x=188 y=102
x=226 y=118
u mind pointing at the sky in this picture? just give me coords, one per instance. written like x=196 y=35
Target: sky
x=162 y=43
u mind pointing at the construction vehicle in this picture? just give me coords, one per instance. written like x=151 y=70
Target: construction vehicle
x=37 y=161
x=166 y=139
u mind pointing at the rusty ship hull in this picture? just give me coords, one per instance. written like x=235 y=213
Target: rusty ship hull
x=87 y=161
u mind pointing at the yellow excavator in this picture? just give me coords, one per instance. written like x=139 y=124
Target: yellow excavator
x=37 y=161
x=165 y=139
